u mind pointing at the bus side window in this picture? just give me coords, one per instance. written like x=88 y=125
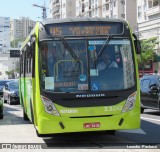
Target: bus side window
x=29 y=59
x=22 y=57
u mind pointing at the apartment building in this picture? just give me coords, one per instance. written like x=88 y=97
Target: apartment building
x=4 y=34
x=20 y=28
x=122 y=9
x=149 y=20
x=62 y=8
x=89 y=8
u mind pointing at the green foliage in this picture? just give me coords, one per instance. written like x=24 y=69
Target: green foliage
x=10 y=73
x=14 y=43
x=147 y=51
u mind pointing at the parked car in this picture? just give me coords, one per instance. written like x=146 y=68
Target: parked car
x=11 y=92
x=2 y=84
x=150 y=92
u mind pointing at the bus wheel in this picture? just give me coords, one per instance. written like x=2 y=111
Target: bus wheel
x=25 y=117
x=40 y=135
x=111 y=132
x=32 y=115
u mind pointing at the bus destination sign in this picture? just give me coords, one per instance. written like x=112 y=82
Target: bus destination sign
x=85 y=29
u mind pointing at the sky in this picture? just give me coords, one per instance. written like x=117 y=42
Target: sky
x=22 y=8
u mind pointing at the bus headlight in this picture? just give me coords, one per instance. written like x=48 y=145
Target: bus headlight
x=49 y=106
x=130 y=103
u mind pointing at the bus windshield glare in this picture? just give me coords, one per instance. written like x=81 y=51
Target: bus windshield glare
x=61 y=71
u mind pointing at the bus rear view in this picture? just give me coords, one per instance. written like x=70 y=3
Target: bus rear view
x=86 y=74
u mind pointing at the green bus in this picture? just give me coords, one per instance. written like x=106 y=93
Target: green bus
x=80 y=75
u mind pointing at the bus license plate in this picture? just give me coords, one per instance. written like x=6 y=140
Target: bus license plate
x=92 y=125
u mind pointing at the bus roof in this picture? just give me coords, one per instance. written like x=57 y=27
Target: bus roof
x=65 y=20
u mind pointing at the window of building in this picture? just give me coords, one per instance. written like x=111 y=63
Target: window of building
x=155 y=3
x=139 y=11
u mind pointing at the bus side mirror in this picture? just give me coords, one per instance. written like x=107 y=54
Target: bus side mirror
x=137 y=44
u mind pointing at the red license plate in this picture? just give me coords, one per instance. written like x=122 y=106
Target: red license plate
x=91 y=125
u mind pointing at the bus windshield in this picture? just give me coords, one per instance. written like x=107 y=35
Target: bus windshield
x=62 y=72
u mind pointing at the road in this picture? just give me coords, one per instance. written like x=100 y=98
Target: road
x=13 y=129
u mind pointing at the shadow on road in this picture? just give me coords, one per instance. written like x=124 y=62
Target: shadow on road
x=84 y=140
x=13 y=115
x=151 y=134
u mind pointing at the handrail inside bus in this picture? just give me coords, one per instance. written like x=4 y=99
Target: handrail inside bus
x=56 y=67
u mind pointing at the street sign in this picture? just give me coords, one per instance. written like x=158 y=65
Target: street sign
x=14 y=53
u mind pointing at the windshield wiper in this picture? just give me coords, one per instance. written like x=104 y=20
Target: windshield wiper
x=69 y=49
x=103 y=47
x=64 y=43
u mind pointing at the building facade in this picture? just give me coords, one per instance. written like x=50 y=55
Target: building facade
x=4 y=34
x=62 y=8
x=20 y=28
x=89 y=8
x=122 y=9
x=149 y=20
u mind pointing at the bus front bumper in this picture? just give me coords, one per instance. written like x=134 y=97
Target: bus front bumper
x=49 y=124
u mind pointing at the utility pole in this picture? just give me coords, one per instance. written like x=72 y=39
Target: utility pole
x=44 y=8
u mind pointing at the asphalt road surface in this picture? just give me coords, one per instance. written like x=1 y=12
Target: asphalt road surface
x=13 y=129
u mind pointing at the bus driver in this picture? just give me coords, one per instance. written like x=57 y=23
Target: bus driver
x=107 y=61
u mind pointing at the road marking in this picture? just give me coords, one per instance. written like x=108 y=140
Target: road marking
x=149 y=119
x=135 y=131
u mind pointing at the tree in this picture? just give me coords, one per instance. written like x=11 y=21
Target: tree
x=14 y=43
x=147 y=51
x=10 y=73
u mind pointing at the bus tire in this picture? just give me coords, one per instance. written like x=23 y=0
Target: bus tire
x=40 y=135
x=32 y=115
x=25 y=117
x=111 y=132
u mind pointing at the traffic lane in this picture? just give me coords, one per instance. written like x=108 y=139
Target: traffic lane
x=149 y=131
x=151 y=115
x=14 y=129
x=12 y=115
x=85 y=140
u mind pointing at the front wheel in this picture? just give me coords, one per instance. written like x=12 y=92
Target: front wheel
x=40 y=135
x=111 y=132
x=25 y=117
